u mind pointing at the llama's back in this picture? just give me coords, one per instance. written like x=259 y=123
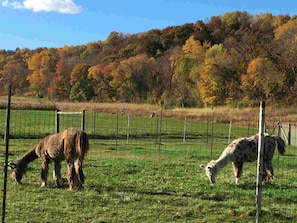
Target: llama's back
x=241 y=149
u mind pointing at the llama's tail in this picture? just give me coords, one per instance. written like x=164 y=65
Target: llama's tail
x=82 y=144
x=280 y=144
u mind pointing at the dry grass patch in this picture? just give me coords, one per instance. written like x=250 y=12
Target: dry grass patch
x=218 y=114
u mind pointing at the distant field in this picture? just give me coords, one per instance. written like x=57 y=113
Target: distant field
x=142 y=169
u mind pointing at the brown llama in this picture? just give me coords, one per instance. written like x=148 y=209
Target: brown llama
x=70 y=145
x=246 y=150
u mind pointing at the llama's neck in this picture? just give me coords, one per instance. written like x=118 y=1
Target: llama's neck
x=223 y=160
x=28 y=157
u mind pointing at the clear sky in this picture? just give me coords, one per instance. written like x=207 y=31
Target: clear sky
x=55 y=23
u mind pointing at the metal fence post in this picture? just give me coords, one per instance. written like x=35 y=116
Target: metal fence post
x=83 y=120
x=57 y=121
x=6 y=154
x=260 y=161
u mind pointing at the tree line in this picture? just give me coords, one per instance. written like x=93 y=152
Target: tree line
x=234 y=59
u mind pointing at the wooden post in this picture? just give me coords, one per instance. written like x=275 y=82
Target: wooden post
x=185 y=129
x=230 y=128
x=212 y=136
x=128 y=129
x=117 y=130
x=260 y=161
x=160 y=132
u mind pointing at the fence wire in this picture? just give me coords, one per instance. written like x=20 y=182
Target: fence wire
x=175 y=139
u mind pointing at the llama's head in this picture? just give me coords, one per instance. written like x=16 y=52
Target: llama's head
x=17 y=170
x=211 y=170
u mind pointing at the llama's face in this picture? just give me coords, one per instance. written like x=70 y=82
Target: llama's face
x=16 y=172
x=211 y=171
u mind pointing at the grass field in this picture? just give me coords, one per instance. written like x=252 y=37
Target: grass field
x=146 y=171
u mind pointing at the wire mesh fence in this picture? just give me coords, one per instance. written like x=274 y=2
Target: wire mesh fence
x=173 y=138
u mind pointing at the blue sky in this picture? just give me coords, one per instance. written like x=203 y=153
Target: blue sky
x=55 y=23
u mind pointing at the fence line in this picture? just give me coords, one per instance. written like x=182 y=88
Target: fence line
x=162 y=135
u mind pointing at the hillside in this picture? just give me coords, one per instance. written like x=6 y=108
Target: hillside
x=236 y=59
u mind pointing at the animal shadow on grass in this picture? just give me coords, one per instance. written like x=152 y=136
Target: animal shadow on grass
x=63 y=184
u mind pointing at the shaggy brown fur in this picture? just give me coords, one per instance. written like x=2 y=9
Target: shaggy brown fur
x=246 y=150
x=70 y=145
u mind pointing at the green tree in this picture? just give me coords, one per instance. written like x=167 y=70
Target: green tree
x=81 y=88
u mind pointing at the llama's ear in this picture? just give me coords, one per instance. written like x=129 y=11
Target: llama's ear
x=201 y=166
x=12 y=165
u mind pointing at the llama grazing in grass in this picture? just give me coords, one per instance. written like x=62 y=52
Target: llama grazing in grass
x=246 y=150
x=70 y=145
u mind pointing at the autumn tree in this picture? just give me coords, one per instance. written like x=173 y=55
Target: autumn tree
x=188 y=63
x=43 y=68
x=161 y=81
x=100 y=77
x=14 y=74
x=81 y=88
x=285 y=43
x=219 y=83
x=131 y=79
x=59 y=87
x=262 y=82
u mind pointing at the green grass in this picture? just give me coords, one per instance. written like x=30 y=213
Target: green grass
x=129 y=185
x=152 y=177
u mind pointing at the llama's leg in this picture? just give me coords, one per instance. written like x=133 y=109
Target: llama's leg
x=271 y=176
x=237 y=168
x=265 y=175
x=79 y=173
x=44 y=172
x=57 y=173
x=269 y=172
x=71 y=176
x=266 y=169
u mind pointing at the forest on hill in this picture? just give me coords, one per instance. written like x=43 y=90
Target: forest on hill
x=234 y=59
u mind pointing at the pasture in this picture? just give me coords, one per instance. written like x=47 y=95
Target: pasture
x=142 y=169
